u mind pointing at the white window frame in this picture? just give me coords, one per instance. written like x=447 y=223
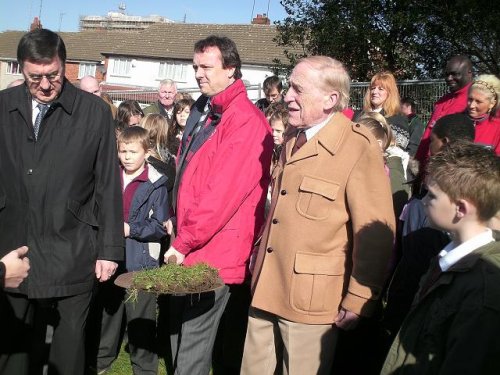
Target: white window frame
x=86 y=69
x=175 y=71
x=13 y=67
x=122 y=67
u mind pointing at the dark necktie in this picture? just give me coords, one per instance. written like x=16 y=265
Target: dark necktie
x=300 y=141
x=43 y=108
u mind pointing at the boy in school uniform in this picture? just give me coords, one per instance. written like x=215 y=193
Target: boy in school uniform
x=145 y=208
x=454 y=324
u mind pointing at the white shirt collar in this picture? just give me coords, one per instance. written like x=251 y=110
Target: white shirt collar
x=313 y=130
x=451 y=254
x=35 y=110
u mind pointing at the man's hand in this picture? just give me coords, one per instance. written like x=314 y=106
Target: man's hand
x=17 y=266
x=104 y=269
x=179 y=257
x=346 y=320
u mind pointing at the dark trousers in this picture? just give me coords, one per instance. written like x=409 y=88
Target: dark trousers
x=194 y=320
x=140 y=318
x=64 y=352
x=230 y=341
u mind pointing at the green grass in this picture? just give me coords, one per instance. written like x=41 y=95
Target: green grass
x=121 y=366
x=174 y=278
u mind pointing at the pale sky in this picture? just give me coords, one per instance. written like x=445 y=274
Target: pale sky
x=64 y=15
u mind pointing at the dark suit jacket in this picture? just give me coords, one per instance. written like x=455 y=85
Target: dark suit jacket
x=60 y=194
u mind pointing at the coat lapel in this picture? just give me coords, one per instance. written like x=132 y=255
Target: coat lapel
x=329 y=137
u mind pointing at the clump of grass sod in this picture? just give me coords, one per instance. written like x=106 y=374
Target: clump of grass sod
x=176 y=279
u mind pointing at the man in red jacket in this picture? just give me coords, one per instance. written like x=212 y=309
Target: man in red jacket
x=458 y=77
x=218 y=197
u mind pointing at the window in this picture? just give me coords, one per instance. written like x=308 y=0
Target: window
x=121 y=67
x=86 y=69
x=172 y=70
x=13 y=67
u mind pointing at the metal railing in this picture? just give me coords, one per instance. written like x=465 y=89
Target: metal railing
x=424 y=93
x=146 y=97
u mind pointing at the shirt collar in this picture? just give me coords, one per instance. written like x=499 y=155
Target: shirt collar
x=313 y=130
x=451 y=254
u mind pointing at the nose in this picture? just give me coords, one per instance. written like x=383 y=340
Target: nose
x=198 y=73
x=45 y=83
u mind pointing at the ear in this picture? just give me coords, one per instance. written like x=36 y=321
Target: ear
x=331 y=99
x=230 y=72
x=445 y=140
x=464 y=207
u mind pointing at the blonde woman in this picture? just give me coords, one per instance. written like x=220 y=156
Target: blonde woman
x=382 y=96
x=482 y=108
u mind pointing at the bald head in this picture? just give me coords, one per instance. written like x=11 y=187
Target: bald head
x=458 y=72
x=90 y=84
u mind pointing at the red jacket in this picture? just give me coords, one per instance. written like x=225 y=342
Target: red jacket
x=454 y=102
x=488 y=133
x=220 y=202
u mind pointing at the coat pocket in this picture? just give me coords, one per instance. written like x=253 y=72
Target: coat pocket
x=82 y=213
x=317 y=283
x=316 y=197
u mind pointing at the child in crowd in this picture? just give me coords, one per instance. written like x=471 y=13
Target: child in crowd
x=454 y=322
x=382 y=132
x=145 y=208
x=159 y=155
x=419 y=241
x=129 y=113
x=277 y=116
x=182 y=109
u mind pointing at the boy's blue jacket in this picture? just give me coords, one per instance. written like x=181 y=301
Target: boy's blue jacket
x=148 y=211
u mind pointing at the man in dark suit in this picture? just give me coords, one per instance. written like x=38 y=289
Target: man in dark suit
x=60 y=195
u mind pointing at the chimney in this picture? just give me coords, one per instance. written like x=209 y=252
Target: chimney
x=36 y=24
x=261 y=19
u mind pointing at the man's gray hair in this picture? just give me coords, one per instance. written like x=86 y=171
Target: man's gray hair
x=168 y=82
x=333 y=76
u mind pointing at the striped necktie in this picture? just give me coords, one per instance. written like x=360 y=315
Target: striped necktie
x=43 y=108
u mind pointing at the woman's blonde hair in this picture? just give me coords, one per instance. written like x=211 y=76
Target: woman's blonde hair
x=157 y=127
x=379 y=127
x=392 y=105
x=488 y=84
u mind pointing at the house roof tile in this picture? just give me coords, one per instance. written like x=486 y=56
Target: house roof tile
x=160 y=41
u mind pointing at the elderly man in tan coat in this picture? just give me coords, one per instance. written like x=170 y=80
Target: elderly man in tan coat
x=323 y=256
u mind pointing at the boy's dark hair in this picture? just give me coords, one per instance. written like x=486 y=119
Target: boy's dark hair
x=228 y=51
x=134 y=134
x=455 y=127
x=464 y=170
x=272 y=82
x=40 y=45
x=411 y=102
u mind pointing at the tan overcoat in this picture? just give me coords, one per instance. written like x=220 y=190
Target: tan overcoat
x=329 y=234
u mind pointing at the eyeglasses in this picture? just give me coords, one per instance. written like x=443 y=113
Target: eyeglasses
x=37 y=78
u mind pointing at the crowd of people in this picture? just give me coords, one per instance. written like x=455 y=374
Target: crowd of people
x=349 y=241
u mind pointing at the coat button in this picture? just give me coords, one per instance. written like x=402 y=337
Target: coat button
x=357 y=125
x=269 y=250
x=30 y=171
x=283 y=192
x=275 y=221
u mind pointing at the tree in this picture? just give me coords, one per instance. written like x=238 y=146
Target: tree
x=411 y=38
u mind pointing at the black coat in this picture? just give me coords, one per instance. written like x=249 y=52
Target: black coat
x=61 y=194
